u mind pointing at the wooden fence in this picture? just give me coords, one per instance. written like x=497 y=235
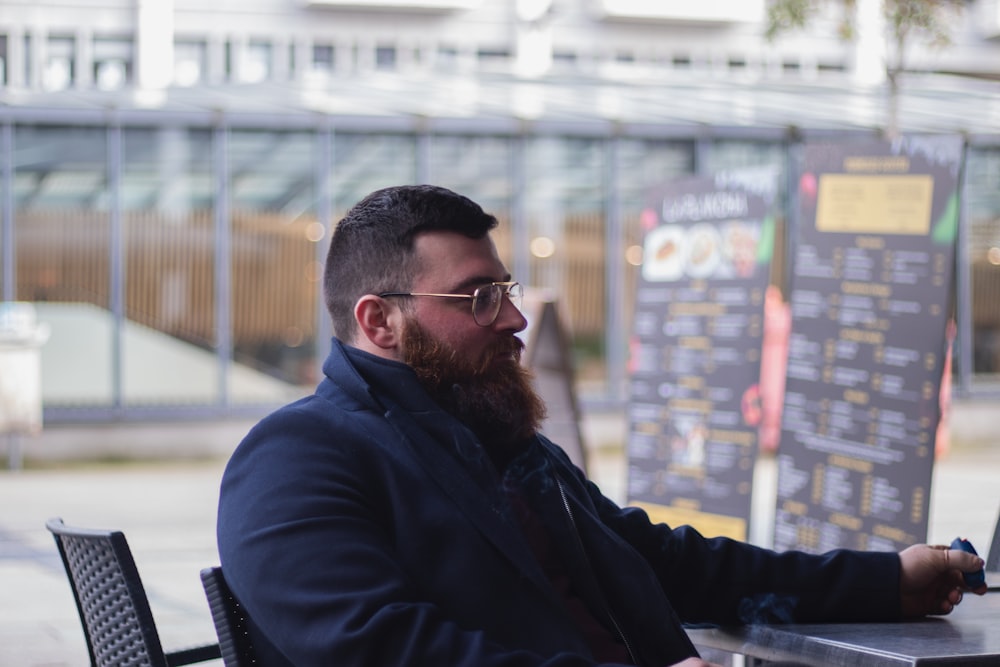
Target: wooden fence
x=169 y=272
x=168 y=264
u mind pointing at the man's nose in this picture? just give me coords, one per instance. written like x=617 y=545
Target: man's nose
x=510 y=317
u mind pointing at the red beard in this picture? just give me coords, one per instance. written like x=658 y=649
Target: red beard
x=492 y=395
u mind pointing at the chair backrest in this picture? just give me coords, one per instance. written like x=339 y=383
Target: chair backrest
x=231 y=620
x=114 y=610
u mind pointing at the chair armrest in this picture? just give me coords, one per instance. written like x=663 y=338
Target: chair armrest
x=187 y=656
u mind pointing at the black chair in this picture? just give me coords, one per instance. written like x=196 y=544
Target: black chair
x=231 y=620
x=114 y=610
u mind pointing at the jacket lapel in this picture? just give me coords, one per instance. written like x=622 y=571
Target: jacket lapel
x=448 y=451
x=453 y=458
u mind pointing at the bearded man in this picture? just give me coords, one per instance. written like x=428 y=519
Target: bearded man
x=410 y=513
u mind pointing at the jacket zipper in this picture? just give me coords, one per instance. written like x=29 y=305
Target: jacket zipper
x=583 y=552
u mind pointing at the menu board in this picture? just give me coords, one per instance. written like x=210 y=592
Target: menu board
x=870 y=297
x=695 y=358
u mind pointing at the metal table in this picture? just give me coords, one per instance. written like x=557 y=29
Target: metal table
x=970 y=635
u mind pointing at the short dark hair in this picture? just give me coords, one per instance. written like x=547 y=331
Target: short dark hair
x=371 y=250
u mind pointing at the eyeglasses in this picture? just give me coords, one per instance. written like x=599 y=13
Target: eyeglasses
x=486 y=300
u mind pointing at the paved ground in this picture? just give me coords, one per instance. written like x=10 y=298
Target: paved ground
x=167 y=512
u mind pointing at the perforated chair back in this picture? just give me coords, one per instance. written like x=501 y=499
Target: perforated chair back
x=231 y=620
x=114 y=610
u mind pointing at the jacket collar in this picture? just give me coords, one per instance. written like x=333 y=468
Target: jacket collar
x=369 y=379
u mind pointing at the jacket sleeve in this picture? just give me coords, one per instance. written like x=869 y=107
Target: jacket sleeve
x=724 y=581
x=305 y=545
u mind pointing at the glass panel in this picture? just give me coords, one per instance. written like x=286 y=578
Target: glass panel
x=565 y=205
x=480 y=169
x=3 y=60
x=190 y=62
x=983 y=206
x=385 y=57
x=27 y=59
x=167 y=201
x=732 y=154
x=62 y=235
x=276 y=272
x=363 y=163
x=60 y=65
x=323 y=58
x=257 y=62
x=113 y=62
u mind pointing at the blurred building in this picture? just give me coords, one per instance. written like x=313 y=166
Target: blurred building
x=170 y=169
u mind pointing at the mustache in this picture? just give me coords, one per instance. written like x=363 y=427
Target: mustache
x=504 y=349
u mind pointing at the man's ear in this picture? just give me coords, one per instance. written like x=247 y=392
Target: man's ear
x=379 y=322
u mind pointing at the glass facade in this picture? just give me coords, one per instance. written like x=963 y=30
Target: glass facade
x=982 y=252
x=167 y=198
x=363 y=163
x=481 y=168
x=566 y=205
x=63 y=252
x=179 y=264
x=273 y=229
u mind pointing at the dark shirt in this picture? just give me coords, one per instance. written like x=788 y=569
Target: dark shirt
x=604 y=645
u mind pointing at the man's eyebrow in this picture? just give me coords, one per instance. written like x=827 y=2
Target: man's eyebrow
x=473 y=282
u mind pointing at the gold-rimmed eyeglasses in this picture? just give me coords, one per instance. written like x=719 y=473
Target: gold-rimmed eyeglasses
x=486 y=300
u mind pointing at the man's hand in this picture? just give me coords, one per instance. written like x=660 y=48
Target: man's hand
x=931 y=579
x=695 y=662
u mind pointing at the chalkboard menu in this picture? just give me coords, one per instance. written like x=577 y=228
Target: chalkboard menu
x=695 y=359
x=870 y=297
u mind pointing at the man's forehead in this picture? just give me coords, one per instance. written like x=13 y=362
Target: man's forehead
x=444 y=242
x=459 y=257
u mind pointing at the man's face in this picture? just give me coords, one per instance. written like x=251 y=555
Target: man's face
x=455 y=264
x=474 y=372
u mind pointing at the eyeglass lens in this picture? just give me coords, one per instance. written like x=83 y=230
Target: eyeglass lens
x=488 y=301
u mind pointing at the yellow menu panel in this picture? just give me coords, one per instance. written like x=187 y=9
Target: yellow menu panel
x=874 y=204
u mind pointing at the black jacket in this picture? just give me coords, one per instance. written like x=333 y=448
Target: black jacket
x=364 y=526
